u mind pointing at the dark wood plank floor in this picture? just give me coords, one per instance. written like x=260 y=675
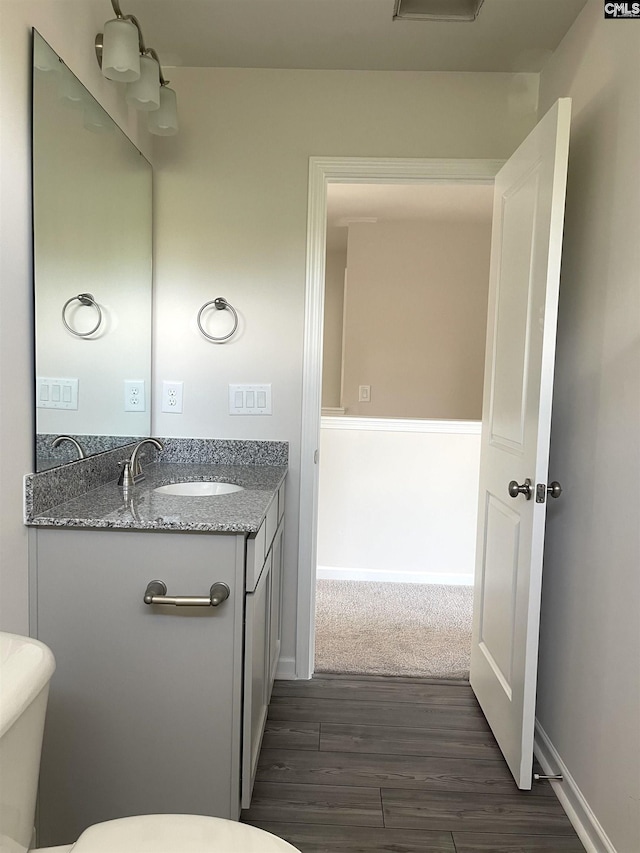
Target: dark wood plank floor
x=393 y=765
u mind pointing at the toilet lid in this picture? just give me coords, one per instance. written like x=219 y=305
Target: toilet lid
x=176 y=833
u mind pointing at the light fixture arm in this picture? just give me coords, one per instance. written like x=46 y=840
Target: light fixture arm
x=127 y=61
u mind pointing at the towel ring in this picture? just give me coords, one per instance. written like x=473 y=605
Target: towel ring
x=221 y=304
x=83 y=299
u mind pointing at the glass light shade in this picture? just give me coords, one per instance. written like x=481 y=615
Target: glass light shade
x=144 y=93
x=120 y=51
x=164 y=120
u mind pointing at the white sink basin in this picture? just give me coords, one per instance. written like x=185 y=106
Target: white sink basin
x=198 y=489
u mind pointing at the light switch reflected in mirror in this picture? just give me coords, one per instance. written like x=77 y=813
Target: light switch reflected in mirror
x=92 y=221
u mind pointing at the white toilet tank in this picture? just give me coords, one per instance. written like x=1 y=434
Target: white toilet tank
x=26 y=667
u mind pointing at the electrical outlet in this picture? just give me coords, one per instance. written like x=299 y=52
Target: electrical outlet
x=134 y=400
x=364 y=394
x=172 y=397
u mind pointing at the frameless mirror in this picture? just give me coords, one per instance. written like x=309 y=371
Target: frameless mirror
x=92 y=271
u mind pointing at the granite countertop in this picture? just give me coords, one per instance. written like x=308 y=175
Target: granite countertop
x=144 y=509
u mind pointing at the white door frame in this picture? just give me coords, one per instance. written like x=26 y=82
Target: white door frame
x=324 y=171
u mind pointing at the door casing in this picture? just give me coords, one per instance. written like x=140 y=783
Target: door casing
x=322 y=172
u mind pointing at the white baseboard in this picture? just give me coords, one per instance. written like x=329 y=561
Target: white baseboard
x=572 y=800
x=286 y=669
x=385 y=576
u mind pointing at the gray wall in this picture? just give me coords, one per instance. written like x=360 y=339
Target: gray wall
x=589 y=688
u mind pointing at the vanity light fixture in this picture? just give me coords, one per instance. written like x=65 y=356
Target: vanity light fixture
x=124 y=57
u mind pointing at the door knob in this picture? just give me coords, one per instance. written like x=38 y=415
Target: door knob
x=554 y=489
x=524 y=489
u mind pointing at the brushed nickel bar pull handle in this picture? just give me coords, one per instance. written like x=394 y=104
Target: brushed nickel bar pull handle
x=156 y=593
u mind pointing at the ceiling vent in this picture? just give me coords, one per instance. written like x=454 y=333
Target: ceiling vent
x=436 y=10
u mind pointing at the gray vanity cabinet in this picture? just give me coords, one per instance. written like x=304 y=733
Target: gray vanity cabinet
x=145 y=710
x=154 y=708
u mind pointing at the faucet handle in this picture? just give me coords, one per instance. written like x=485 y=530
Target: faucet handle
x=125 y=479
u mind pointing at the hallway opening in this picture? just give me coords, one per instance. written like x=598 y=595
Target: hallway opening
x=405 y=300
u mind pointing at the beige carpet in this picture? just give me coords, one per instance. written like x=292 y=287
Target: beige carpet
x=393 y=629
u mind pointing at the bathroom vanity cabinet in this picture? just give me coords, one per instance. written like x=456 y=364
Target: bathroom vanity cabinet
x=153 y=708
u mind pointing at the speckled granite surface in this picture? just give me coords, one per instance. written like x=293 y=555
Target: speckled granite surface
x=48 y=457
x=145 y=509
x=85 y=493
x=224 y=451
x=64 y=483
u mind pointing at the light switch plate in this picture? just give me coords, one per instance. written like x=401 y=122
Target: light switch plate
x=364 y=394
x=250 y=399
x=54 y=393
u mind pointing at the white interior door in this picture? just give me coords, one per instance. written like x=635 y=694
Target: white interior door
x=528 y=217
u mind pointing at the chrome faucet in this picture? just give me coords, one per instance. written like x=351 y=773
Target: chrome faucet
x=60 y=438
x=132 y=470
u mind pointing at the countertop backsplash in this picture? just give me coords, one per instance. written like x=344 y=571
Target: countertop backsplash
x=217 y=451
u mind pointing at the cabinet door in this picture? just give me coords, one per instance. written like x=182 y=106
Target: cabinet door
x=256 y=677
x=276 y=604
x=145 y=704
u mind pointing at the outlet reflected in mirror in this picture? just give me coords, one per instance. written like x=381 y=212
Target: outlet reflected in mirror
x=92 y=271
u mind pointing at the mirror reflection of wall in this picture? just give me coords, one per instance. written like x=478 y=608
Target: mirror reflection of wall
x=92 y=235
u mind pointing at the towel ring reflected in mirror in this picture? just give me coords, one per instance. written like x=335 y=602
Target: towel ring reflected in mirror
x=221 y=304
x=83 y=299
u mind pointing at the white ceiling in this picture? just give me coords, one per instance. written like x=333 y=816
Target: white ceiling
x=508 y=35
x=384 y=202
